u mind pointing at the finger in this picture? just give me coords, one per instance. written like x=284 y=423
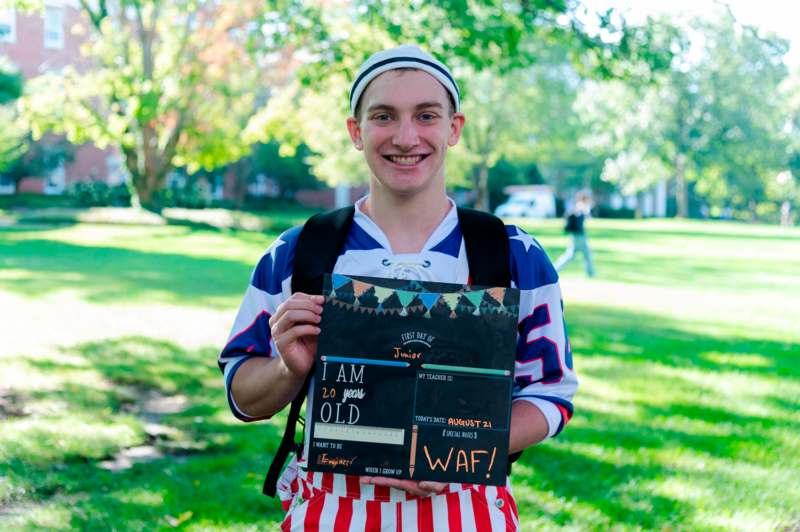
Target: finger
x=293 y=318
x=295 y=304
x=406 y=485
x=299 y=300
x=298 y=331
x=396 y=482
x=313 y=297
x=304 y=302
x=290 y=317
x=429 y=485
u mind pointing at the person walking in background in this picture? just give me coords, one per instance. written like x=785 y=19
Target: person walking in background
x=578 y=242
x=786 y=213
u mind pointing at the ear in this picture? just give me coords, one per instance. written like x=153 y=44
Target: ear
x=456 y=125
x=354 y=128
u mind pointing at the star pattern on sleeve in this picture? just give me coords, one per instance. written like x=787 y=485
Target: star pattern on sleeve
x=526 y=240
x=273 y=252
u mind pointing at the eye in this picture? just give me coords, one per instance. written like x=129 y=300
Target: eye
x=381 y=117
x=428 y=116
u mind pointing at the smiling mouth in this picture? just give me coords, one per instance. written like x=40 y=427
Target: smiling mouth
x=405 y=160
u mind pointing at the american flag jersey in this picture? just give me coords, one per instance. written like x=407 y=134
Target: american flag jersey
x=544 y=376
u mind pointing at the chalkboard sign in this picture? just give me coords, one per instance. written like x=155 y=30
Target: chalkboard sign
x=413 y=380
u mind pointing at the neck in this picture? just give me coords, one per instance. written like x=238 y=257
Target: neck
x=407 y=222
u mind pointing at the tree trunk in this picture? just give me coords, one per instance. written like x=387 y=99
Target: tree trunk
x=639 y=211
x=236 y=175
x=148 y=173
x=681 y=196
x=145 y=188
x=482 y=188
x=145 y=195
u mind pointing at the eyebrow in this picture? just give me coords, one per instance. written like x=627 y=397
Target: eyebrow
x=387 y=107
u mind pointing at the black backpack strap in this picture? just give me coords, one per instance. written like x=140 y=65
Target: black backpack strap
x=486 y=240
x=287 y=444
x=488 y=256
x=318 y=246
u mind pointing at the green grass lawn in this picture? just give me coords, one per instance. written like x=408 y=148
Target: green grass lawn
x=687 y=345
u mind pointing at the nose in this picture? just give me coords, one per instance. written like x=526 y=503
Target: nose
x=405 y=136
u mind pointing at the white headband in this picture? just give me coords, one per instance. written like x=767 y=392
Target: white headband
x=406 y=56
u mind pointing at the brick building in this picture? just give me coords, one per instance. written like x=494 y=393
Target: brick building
x=42 y=42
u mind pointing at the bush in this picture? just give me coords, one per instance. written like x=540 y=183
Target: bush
x=607 y=212
x=265 y=203
x=28 y=200
x=189 y=196
x=99 y=194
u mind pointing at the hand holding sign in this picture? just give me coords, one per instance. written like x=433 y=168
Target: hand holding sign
x=295 y=331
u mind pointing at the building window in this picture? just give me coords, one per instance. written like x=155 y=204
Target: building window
x=176 y=179
x=6 y=185
x=56 y=180
x=218 y=187
x=116 y=171
x=8 y=25
x=53 y=27
x=264 y=186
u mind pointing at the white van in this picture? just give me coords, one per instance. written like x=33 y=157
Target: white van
x=536 y=201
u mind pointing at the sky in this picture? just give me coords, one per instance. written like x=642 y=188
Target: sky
x=778 y=16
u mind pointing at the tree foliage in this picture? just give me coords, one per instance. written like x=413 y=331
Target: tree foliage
x=708 y=120
x=169 y=83
x=10 y=82
x=13 y=139
x=523 y=116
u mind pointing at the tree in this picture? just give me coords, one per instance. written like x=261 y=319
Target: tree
x=13 y=142
x=784 y=187
x=169 y=83
x=20 y=155
x=10 y=82
x=312 y=109
x=292 y=173
x=697 y=121
x=523 y=116
x=618 y=120
x=745 y=144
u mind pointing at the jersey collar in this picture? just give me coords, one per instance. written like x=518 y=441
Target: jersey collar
x=445 y=227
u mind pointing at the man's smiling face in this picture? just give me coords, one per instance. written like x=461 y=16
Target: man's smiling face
x=406 y=125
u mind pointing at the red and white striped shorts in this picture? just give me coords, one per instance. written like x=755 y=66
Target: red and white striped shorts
x=341 y=503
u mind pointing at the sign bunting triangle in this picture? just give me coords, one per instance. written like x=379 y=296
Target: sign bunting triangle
x=339 y=280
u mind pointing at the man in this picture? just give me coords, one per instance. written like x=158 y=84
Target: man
x=406 y=114
x=578 y=241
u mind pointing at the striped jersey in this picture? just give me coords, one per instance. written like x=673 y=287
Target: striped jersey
x=544 y=374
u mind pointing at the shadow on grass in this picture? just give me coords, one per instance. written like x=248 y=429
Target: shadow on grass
x=672 y=401
x=745 y=274
x=741 y=233
x=608 y=461
x=739 y=266
x=213 y=471
x=643 y=231
x=109 y=274
x=680 y=269
x=605 y=486
x=649 y=338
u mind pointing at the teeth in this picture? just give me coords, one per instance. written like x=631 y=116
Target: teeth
x=409 y=160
